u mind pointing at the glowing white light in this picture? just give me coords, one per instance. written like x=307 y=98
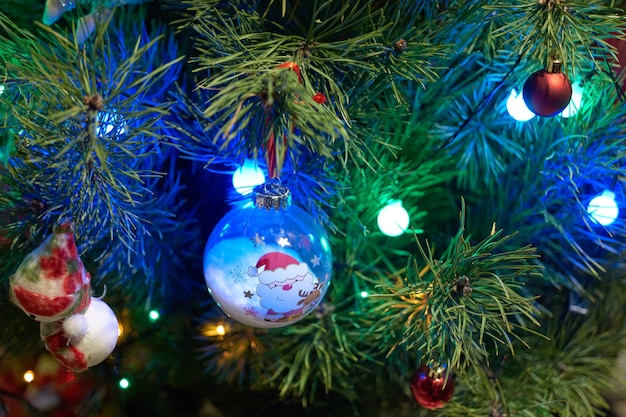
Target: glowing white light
x=29 y=376
x=364 y=294
x=603 y=208
x=516 y=106
x=1 y=89
x=154 y=315
x=108 y=122
x=575 y=102
x=247 y=176
x=393 y=219
x=124 y=383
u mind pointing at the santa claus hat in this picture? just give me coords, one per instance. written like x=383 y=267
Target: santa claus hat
x=278 y=266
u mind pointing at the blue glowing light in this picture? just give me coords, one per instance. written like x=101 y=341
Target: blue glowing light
x=110 y=122
x=516 y=106
x=575 y=102
x=247 y=176
x=393 y=219
x=603 y=208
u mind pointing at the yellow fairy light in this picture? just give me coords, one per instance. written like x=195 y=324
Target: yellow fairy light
x=29 y=376
x=213 y=330
x=120 y=329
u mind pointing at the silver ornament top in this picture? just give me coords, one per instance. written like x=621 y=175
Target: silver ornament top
x=272 y=195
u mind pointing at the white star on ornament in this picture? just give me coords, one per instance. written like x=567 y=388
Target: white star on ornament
x=315 y=261
x=283 y=241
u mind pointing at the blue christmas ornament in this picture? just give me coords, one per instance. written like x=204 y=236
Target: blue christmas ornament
x=269 y=264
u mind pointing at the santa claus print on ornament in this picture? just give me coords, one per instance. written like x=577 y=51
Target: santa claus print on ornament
x=287 y=288
x=268 y=267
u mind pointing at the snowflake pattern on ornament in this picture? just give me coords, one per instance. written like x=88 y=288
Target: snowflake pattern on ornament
x=257 y=240
x=238 y=274
x=304 y=242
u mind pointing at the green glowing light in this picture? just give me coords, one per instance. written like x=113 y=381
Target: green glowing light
x=124 y=383
x=154 y=315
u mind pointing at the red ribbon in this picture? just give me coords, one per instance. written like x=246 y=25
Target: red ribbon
x=294 y=67
x=271 y=152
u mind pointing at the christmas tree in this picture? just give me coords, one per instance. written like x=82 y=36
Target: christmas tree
x=273 y=207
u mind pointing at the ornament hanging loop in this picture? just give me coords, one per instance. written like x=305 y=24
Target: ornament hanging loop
x=275 y=154
x=277 y=148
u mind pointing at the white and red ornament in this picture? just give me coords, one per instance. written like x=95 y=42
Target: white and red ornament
x=52 y=286
x=82 y=340
x=432 y=387
x=268 y=265
x=547 y=92
x=51 y=283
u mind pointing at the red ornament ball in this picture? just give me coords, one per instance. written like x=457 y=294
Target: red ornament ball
x=428 y=388
x=547 y=93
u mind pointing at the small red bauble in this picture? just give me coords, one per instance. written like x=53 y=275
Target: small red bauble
x=547 y=92
x=428 y=388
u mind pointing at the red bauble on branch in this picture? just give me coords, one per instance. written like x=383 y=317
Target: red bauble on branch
x=430 y=388
x=547 y=92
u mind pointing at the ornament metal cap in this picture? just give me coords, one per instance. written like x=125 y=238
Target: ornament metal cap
x=554 y=66
x=272 y=195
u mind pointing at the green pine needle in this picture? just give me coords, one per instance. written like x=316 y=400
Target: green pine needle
x=460 y=306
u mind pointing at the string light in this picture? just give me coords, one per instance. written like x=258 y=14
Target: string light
x=29 y=376
x=393 y=219
x=214 y=330
x=124 y=383
x=108 y=122
x=364 y=294
x=247 y=176
x=575 y=102
x=516 y=106
x=154 y=315
x=603 y=208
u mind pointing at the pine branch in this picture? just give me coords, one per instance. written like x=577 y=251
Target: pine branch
x=320 y=355
x=253 y=99
x=573 y=369
x=454 y=308
x=83 y=123
x=574 y=31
